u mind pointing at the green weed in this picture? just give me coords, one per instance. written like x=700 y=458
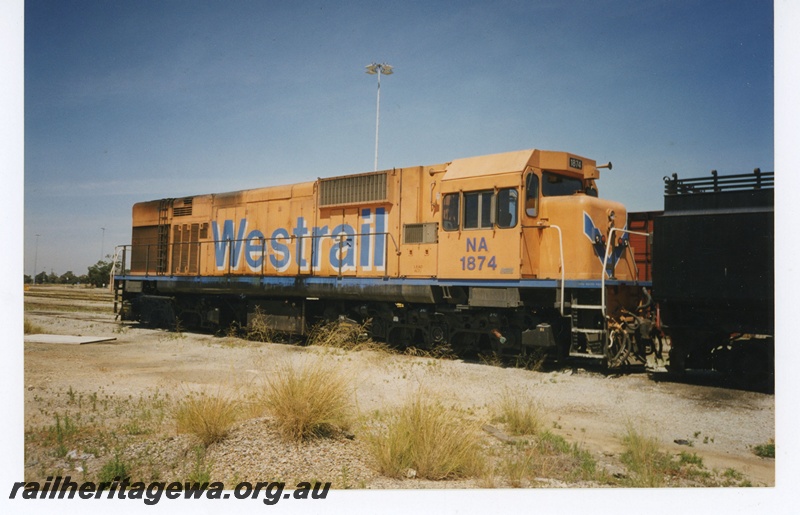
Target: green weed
x=765 y=450
x=648 y=464
x=201 y=470
x=113 y=469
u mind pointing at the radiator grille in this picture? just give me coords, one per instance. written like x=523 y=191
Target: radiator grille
x=353 y=189
x=185 y=210
x=185 y=249
x=144 y=249
x=420 y=233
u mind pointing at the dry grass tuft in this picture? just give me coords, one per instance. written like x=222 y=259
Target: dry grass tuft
x=208 y=417
x=258 y=328
x=493 y=359
x=440 y=351
x=308 y=401
x=344 y=334
x=31 y=328
x=429 y=439
x=534 y=360
x=521 y=415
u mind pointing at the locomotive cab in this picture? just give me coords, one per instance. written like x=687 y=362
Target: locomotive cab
x=527 y=231
x=566 y=226
x=530 y=214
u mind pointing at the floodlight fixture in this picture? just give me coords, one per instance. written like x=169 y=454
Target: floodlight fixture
x=378 y=69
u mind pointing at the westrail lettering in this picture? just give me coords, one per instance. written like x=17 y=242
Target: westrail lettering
x=236 y=244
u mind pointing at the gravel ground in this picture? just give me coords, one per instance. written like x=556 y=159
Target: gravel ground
x=148 y=370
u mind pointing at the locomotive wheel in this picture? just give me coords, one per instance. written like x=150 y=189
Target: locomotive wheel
x=618 y=348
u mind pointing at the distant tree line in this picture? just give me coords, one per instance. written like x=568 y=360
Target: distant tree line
x=98 y=275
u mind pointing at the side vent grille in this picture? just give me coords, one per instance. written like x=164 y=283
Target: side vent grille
x=420 y=233
x=185 y=210
x=353 y=189
x=185 y=248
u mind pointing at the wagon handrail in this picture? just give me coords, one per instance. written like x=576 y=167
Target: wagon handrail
x=715 y=183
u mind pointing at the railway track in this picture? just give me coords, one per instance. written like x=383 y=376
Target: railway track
x=84 y=308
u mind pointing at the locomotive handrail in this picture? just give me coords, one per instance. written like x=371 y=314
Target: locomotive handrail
x=146 y=271
x=605 y=262
x=119 y=263
x=541 y=225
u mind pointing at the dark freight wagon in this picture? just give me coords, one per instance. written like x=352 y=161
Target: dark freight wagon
x=713 y=271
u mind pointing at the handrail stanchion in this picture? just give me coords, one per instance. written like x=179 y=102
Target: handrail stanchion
x=560 y=263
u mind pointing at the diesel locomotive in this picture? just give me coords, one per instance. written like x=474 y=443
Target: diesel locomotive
x=513 y=253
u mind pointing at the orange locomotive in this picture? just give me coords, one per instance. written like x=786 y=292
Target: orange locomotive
x=508 y=253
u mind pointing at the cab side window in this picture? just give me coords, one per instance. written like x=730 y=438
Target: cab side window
x=507 y=208
x=481 y=209
x=478 y=210
x=532 y=195
x=450 y=211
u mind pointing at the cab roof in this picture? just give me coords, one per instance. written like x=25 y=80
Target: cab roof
x=494 y=164
x=518 y=161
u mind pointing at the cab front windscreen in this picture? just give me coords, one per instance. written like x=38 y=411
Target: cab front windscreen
x=555 y=185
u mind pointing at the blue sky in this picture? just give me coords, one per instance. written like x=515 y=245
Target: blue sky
x=132 y=101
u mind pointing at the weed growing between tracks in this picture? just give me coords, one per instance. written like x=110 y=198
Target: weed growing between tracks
x=345 y=335
x=113 y=469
